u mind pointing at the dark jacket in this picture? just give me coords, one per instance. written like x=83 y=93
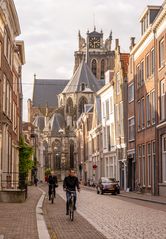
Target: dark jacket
x=71 y=183
x=52 y=179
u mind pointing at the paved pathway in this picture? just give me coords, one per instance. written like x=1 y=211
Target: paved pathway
x=18 y=220
x=117 y=219
x=60 y=226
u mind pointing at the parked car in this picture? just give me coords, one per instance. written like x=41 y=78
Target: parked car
x=108 y=185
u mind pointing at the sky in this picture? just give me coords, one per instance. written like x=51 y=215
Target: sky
x=49 y=29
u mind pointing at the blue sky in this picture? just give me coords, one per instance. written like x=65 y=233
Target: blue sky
x=50 y=29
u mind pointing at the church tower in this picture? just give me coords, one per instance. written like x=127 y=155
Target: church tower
x=96 y=52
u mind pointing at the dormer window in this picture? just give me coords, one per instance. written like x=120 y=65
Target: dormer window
x=82 y=86
x=145 y=23
x=148 y=17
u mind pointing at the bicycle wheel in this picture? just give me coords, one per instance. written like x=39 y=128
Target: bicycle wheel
x=71 y=210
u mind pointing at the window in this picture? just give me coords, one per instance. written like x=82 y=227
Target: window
x=142 y=72
x=148 y=110
x=161 y=53
x=139 y=161
x=118 y=83
x=153 y=106
x=139 y=115
x=164 y=158
x=102 y=69
x=142 y=113
x=149 y=165
x=154 y=154
x=147 y=66
x=152 y=61
x=141 y=120
x=107 y=109
x=117 y=119
x=131 y=129
x=112 y=134
x=143 y=166
x=131 y=92
x=138 y=76
x=108 y=139
x=4 y=93
x=121 y=118
x=94 y=67
x=162 y=100
x=104 y=137
x=7 y=100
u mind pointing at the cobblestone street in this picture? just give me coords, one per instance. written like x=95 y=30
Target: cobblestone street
x=117 y=219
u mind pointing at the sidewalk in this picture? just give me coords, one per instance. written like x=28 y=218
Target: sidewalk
x=18 y=220
x=138 y=196
x=144 y=197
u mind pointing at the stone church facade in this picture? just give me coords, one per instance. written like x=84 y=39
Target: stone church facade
x=57 y=104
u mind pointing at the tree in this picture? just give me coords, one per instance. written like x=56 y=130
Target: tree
x=25 y=163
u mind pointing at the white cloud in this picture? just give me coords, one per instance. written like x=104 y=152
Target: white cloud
x=50 y=28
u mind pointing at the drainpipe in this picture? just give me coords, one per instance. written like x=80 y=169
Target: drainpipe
x=156 y=160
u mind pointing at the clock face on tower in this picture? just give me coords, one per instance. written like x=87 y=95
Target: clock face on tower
x=94 y=42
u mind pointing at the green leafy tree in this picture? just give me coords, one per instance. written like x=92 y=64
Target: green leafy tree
x=25 y=162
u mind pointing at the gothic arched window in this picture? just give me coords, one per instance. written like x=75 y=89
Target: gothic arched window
x=82 y=102
x=94 y=67
x=102 y=69
x=69 y=106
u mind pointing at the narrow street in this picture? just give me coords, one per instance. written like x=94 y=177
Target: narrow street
x=112 y=216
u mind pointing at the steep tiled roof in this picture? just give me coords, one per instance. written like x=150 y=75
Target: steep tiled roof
x=45 y=92
x=83 y=75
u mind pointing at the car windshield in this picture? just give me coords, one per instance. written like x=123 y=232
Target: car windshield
x=105 y=180
x=112 y=180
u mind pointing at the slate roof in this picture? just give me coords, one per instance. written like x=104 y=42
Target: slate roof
x=55 y=123
x=83 y=75
x=45 y=92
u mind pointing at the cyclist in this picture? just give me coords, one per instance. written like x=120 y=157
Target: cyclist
x=70 y=183
x=52 y=182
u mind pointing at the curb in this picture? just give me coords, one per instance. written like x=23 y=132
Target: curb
x=142 y=199
x=41 y=225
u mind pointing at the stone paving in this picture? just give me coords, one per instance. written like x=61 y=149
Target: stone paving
x=18 y=220
x=117 y=219
x=60 y=226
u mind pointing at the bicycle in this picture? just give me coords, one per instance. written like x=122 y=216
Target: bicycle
x=71 y=205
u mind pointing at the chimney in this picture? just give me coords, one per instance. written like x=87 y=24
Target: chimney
x=132 y=43
x=116 y=43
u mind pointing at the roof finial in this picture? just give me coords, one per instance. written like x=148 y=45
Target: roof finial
x=79 y=33
x=110 y=36
x=35 y=76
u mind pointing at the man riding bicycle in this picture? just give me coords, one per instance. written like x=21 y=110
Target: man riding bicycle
x=52 y=182
x=70 y=183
